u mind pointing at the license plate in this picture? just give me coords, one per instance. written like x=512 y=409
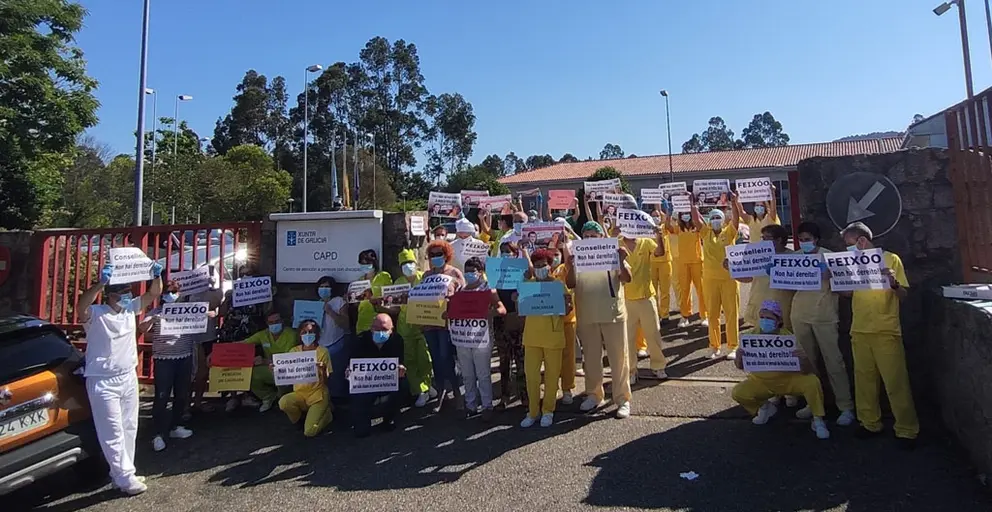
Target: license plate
x=25 y=423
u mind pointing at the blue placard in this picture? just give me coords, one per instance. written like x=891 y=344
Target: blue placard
x=307 y=310
x=546 y=298
x=505 y=273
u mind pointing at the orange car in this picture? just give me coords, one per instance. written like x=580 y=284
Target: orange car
x=45 y=421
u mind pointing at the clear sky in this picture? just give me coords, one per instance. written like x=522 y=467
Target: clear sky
x=557 y=76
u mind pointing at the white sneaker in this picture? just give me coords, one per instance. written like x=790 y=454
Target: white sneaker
x=135 y=488
x=820 y=427
x=764 y=413
x=715 y=354
x=266 y=405
x=250 y=401
x=660 y=374
x=566 y=398
x=683 y=323
x=791 y=401
x=633 y=379
x=158 y=444
x=732 y=354
x=624 y=410
x=723 y=319
x=422 y=400
x=705 y=322
x=805 y=413
x=232 y=405
x=180 y=432
x=775 y=400
x=641 y=354
x=591 y=403
x=547 y=420
x=846 y=418
x=528 y=422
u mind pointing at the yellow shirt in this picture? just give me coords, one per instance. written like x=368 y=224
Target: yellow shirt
x=640 y=285
x=714 y=250
x=819 y=307
x=599 y=298
x=666 y=240
x=545 y=331
x=561 y=273
x=877 y=311
x=366 y=311
x=755 y=225
x=689 y=246
x=314 y=387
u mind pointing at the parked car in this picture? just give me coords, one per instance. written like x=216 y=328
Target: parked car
x=45 y=420
x=230 y=268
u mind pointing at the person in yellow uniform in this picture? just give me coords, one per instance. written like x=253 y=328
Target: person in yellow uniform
x=544 y=343
x=721 y=290
x=415 y=353
x=661 y=267
x=765 y=214
x=313 y=399
x=688 y=262
x=754 y=391
x=559 y=271
x=642 y=310
x=275 y=340
x=761 y=289
x=876 y=342
x=368 y=262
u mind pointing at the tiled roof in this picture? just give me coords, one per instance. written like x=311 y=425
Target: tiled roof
x=784 y=156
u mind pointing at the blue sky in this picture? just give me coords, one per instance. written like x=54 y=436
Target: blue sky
x=561 y=76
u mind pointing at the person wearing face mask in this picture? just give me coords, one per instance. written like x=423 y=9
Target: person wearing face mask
x=415 y=352
x=508 y=331
x=368 y=262
x=721 y=290
x=761 y=289
x=203 y=343
x=642 y=309
x=765 y=214
x=876 y=343
x=464 y=231
x=476 y=362
x=335 y=333
x=110 y=370
x=381 y=341
x=814 y=320
x=276 y=339
x=310 y=402
x=687 y=260
x=661 y=265
x=440 y=232
x=753 y=393
x=238 y=324
x=559 y=271
x=439 y=255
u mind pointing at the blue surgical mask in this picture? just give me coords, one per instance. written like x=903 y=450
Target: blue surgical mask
x=409 y=269
x=437 y=261
x=125 y=301
x=542 y=272
x=767 y=325
x=309 y=338
x=380 y=337
x=716 y=223
x=275 y=328
x=852 y=248
x=685 y=217
x=324 y=292
x=366 y=267
x=472 y=277
x=170 y=297
x=808 y=247
x=759 y=210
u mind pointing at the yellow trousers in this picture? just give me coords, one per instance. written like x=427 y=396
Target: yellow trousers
x=883 y=355
x=821 y=339
x=317 y=407
x=641 y=316
x=613 y=336
x=691 y=274
x=723 y=294
x=756 y=389
x=568 y=359
x=661 y=276
x=533 y=358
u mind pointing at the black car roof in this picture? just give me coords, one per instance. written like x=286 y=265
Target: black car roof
x=20 y=322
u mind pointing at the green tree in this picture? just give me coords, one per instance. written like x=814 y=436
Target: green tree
x=495 y=165
x=763 y=132
x=258 y=116
x=46 y=101
x=242 y=184
x=475 y=178
x=717 y=137
x=608 y=173
x=611 y=152
x=514 y=163
x=450 y=134
x=539 y=161
x=693 y=145
x=567 y=158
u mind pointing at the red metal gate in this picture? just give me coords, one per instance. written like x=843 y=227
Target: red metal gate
x=69 y=262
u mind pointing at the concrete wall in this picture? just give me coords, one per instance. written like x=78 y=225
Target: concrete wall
x=16 y=292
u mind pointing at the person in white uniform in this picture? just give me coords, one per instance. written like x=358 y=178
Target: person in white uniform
x=111 y=370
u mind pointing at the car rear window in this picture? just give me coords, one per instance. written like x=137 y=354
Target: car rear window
x=30 y=351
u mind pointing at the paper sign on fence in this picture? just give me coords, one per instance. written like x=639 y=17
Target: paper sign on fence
x=505 y=273
x=711 y=192
x=252 y=290
x=596 y=254
x=681 y=204
x=799 y=272
x=232 y=355
x=595 y=189
x=544 y=298
x=295 y=368
x=469 y=332
x=395 y=294
x=561 y=199
x=418 y=226
x=373 y=375
x=749 y=260
x=192 y=281
x=229 y=379
x=469 y=304
x=359 y=290
x=130 y=265
x=857 y=270
x=441 y=204
x=769 y=353
x=753 y=190
x=180 y=318
x=307 y=310
x=636 y=224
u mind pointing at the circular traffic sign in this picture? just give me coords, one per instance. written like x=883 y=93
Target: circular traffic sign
x=865 y=197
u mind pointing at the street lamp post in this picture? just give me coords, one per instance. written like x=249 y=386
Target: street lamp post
x=175 y=143
x=371 y=137
x=154 y=94
x=963 y=21
x=668 y=122
x=139 y=160
x=404 y=200
x=306 y=122
x=290 y=201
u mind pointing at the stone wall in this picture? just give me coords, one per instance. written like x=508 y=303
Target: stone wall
x=17 y=291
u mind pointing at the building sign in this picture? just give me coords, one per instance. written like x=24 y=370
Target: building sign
x=307 y=250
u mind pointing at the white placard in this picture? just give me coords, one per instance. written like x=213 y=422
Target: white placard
x=357 y=289
x=418 y=226
x=754 y=190
x=856 y=270
x=799 y=272
x=130 y=265
x=192 y=281
x=442 y=204
x=180 y=318
x=374 y=375
x=395 y=294
x=252 y=290
x=295 y=368
x=636 y=224
x=749 y=260
x=769 y=353
x=469 y=333
x=681 y=204
x=596 y=254
x=432 y=287
x=307 y=250
x=468 y=248
x=652 y=195
x=596 y=189
x=711 y=192
x=677 y=188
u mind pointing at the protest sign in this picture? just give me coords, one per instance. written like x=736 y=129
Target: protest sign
x=636 y=224
x=856 y=270
x=180 y=318
x=769 y=353
x=542 y=235
x=229 y=379
x=681 y=204
x=295 y=368
x=418 y=226
x=232 y=355
x=677 y=188
x=252 y=290
x=441 y=204
x=799 y=272
x=471 y=197
x=359 y=291
x=595 y=189
x=496 y=205
x=307 y=310
x=506 y=273
x=192 y=281
x=468 y=248
x=561 y=199
x=425 y=312
x=130 y=265
x=395 y=294
x=595 y=254
x=749 y=260
x=374 y=375
x=711 y=192
x=653 y=196
x=754 y=190
x=432 y=287
x=541 y=298
x=469 y=332
x=469 y=304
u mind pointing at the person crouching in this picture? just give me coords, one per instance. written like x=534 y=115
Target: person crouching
x=379 y=342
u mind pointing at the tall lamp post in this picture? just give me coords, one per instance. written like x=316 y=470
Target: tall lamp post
x=963 y=21
x=306 y=124
x=139 y=160
x=668 y=123
x=175 y=143
x=154 y=95
x=371 y=137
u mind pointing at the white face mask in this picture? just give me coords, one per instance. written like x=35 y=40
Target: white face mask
x=409 y=269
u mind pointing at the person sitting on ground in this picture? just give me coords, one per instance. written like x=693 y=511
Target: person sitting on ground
x=753 y=393
x=379 y=342
x=312 y=399
x=275 y=340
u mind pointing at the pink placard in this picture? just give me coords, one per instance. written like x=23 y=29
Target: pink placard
x=561 y=199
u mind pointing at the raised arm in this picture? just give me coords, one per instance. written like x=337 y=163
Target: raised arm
x=697 y=219
x=773 y=205
x=89 y=296
x=575 y=209
x=738 y=207
x=589 y=215
x=735 y=211
x=155 y=290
